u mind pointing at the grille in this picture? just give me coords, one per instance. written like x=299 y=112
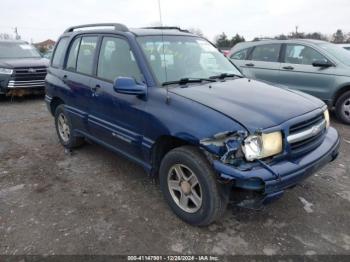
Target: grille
x=308 y=140
x=28 y=77
x=26 y=84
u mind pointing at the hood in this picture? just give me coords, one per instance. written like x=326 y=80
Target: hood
x=254 y=104
x=23 y=62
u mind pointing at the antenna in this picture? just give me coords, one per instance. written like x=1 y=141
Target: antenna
x=165 y=70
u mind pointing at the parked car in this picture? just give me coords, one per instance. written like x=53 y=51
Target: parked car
x=22 y=69
x=199 y=127
x=345 y=46
x=316 y=67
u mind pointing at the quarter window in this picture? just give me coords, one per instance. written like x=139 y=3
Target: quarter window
x=116 y=59
x=72 y=57
x=57 y=59
x=86 y=54
x=300 y=54
x=266 y=53
x=240 y=55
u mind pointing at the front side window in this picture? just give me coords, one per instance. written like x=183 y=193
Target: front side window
x=116 y=59
x=12 y=49
x=337 y=52
x=73 y=54
x=240 y=55
x=59 y=52
x=266 y=53
x=300 y=54
x=176 y=57
x=86 y=54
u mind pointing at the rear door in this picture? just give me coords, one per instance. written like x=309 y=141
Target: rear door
x=240 y=59
x=77 y=77
x=263 y=63
x=297 y=71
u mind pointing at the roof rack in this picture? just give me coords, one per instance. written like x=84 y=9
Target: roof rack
x=167 y=28
x=118 y=27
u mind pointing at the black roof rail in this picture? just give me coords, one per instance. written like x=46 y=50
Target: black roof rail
x=118 y=27
x=166 y=28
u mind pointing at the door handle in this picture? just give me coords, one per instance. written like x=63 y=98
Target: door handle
x=288 y=67
x=250 y=64
x=95 y=88
x=64 y=80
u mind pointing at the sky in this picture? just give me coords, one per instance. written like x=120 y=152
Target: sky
x=38 y=20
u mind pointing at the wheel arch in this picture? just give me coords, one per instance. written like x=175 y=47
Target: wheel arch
x=55 y=102
x=162 y=146
x=339 y=93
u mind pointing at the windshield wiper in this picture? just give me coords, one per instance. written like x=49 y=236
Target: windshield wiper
x=184 y=81
x=224 y=75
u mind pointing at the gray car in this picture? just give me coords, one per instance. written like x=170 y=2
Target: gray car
x=316 y=67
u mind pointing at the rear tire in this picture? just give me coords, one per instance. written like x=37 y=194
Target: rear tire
x=195 y=197
x=64 y=129
x=342 y=108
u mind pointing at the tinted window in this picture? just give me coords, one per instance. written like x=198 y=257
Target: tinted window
x=267 y=53
x=59 y=52
x=73 y=53
x=240 y=55
x=116 y=59
x=300 y=54
x=86 y=54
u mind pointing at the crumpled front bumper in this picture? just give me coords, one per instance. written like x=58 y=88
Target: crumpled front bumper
x=272 y=180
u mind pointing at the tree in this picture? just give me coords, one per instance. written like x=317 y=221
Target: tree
x=236 y=39
x=338 y=37
x=5 y=36
x=222 y=41
x=281 y=37
x=196 y=31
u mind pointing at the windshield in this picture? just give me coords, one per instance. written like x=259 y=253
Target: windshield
x=17 y=50
x=184 y=57
x=338 y=52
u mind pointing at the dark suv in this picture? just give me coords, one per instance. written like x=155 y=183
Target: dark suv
x=22 y=69
x=171 y=102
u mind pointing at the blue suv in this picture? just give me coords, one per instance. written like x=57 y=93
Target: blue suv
x=171 y=102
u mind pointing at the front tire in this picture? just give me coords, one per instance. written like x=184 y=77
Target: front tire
x=190 y=187
x=64 y=129
x=342 y=108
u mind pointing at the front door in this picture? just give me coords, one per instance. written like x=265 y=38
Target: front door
x=297 y=71
x=115 y=119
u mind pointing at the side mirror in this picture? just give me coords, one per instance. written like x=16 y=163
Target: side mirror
x=128 y=85
x=322 y=63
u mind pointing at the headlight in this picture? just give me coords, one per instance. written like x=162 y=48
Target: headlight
x=6 y=71
x=261 y=146
x=327 y=118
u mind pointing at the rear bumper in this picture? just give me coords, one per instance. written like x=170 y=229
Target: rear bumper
x=272 y=180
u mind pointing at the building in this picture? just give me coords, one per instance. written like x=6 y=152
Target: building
x=45 y=45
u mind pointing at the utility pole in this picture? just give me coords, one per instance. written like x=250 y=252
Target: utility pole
x=17 y=36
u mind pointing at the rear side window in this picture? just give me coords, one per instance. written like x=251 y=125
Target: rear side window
x=116 y=59
x=73 y=54
x=304 y=55
x=86 y=54
x=266 y=53
x=57 y=59
x=240 y=55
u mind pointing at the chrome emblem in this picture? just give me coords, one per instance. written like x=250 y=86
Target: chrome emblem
x=31 y=70
x=315 y=130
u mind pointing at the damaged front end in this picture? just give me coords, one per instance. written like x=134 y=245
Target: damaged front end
x=225 y=151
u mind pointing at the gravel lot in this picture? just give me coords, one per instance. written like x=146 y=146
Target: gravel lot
x=96 y=202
